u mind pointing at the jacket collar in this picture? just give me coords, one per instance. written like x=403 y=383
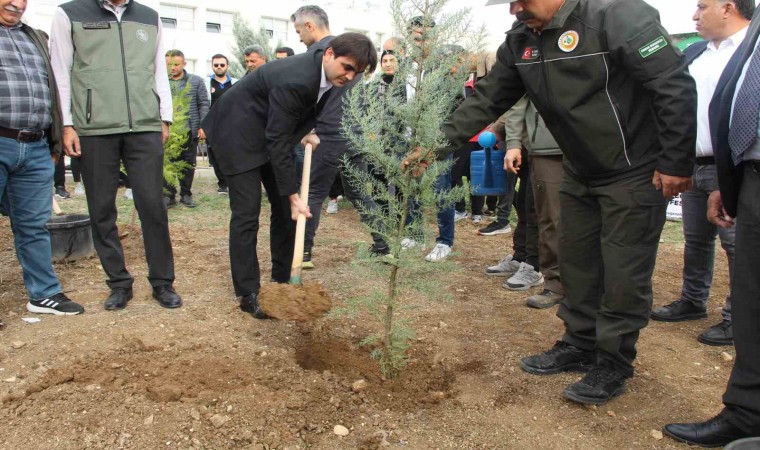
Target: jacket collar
x=107 y=3
x=558 y=21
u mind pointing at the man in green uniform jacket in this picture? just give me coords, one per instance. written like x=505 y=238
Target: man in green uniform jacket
x=617 y=97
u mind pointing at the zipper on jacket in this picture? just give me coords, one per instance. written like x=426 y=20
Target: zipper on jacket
x=89 y=105
x=124 y=68
x=535 y=130
x=615 y=111
x=547 y=87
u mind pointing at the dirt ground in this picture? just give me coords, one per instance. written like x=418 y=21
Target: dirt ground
x=208 y=376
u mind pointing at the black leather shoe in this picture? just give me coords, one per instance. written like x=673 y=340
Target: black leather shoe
x=167 y=297
x=563 y=357
x=601 y=384
x=679 y=311
x=170 y=202
x=118 y=298
x=187 y=200
x=250 y=304
x=720 y=334
x=716 y=432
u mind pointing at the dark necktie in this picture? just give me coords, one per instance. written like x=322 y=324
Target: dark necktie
x=743 y=132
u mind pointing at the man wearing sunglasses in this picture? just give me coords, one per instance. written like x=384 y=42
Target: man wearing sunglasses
x=216 y=86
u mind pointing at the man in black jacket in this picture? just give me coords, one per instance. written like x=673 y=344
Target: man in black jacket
x=253 y=131
x=313 y=27
x=734 y=119
x=617 y=97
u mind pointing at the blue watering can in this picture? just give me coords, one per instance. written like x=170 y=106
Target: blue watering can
x=487 y=175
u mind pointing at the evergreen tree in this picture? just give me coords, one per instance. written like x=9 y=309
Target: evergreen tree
x=178 y=132
x=245 y=36
x=383 y=124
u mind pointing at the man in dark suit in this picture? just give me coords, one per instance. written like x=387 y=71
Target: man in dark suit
x=734 y=118
x=253 y=130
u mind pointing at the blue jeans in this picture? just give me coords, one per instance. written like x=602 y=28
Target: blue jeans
x=445 y=212
x=699 y=251
x=26 y=186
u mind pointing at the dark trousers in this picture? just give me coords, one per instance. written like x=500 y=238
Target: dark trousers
x=326 y=164
x=742 y=397
x=461 y=169
x=221 y=179
x=59 y=176
x=699 y=234
x=143 y=157
x=608 y=242
x=525 y=236
x=245 y=204
x=189 y=155
x=546 y=174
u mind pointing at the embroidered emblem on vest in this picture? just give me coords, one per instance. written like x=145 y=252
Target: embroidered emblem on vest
x=568 y=41
x=142 y=35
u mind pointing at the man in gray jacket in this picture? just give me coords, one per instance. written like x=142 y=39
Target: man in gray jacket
x=197 y=108
x=525 y=127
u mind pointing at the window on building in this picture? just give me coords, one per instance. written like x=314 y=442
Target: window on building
x=177 y=17
x=169 y=23
x=218 y=22
x=277 y=29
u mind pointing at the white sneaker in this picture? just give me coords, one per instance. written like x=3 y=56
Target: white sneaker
x=408 y=243
x=477 y=218
x=505 y=268
x=332 y=207
x=526 y=277
x=79 y=189
x=439 y=253
x=460 y=216
x=128 y=194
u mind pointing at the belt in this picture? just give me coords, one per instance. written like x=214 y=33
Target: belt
x=22 y=135
x=705 y=161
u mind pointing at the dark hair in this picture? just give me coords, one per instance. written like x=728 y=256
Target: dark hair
x=174 y=52
x=745 y=7
x=220 y=56
x=357 y=46
x=315 y=13
x=287 y=50
x=259 y=50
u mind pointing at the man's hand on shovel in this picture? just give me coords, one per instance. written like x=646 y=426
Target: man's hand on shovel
x=312 y=139
x=298 y=206
x=416 y=161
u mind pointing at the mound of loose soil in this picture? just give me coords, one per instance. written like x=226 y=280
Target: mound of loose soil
x=302 y=303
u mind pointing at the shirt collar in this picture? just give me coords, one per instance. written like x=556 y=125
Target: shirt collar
x=733 y=40
x=324 y=85
x=107 y=3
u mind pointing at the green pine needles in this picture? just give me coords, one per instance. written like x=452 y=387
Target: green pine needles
x=385 y=119
x=178 y=132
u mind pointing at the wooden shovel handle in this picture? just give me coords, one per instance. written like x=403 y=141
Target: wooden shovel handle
x=296 y=267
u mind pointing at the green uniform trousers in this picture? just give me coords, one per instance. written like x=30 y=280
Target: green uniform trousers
x=608 y=247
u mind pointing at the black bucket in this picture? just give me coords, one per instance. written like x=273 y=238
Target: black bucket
x=70 y=237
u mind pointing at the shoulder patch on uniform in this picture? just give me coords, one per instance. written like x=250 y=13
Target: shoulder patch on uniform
x=653 y=47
